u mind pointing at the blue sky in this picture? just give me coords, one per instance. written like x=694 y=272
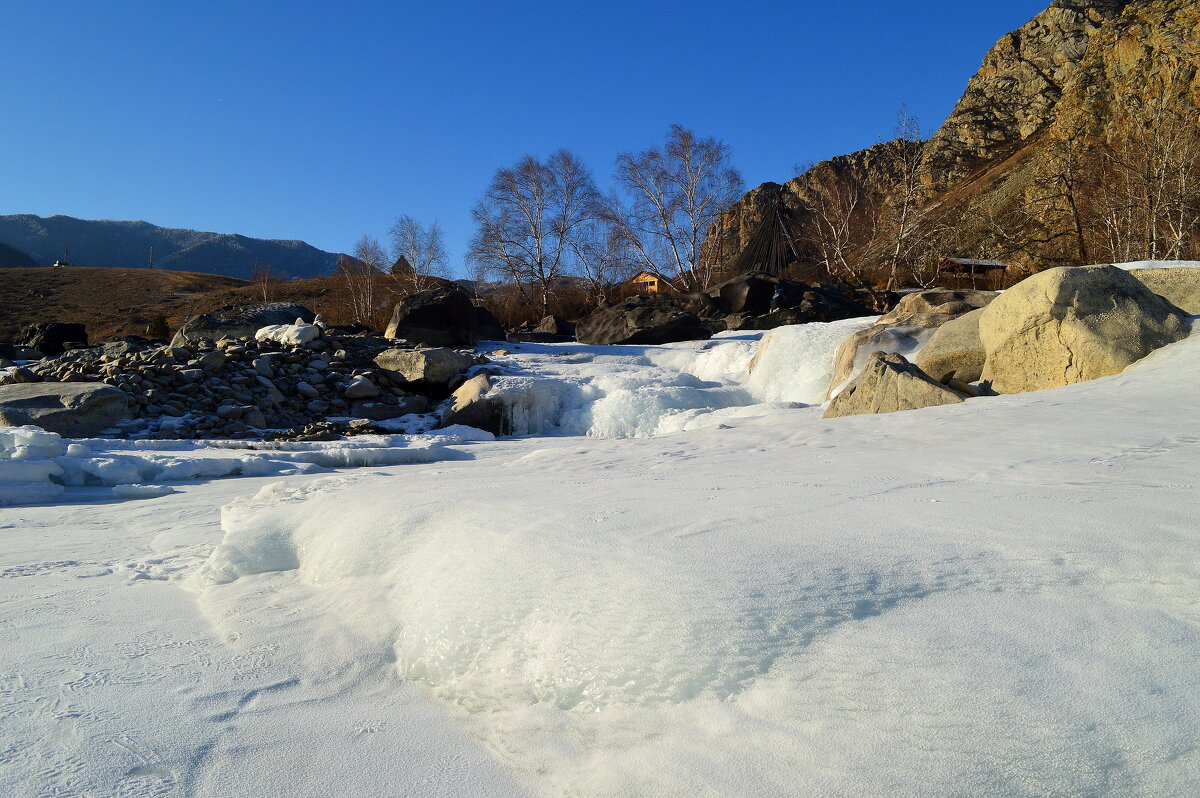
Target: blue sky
x=324 y=121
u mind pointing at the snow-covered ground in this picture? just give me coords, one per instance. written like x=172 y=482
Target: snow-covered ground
x=991 y=598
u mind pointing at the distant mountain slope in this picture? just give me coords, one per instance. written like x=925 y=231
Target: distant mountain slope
x=128 y=244
x=11 y=258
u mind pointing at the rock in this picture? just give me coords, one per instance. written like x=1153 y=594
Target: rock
x=887 y=384
x=905 y=328
x=15 y=352
x=474 y=405
x=487 y=326
x=380 y=411
x=1179 y=286
x=295 y=334
x=361 y=388
x=1071 y=324
x=427 y=366
x=441 y=316
x=51 y=337
x=307 y=391
x=955 y=351
x=555 y=325
x=211 y=361
x=317 y=407
x=240 y=321
x=255 y=418
x=263 y=366
x=77 y=409
x=642 y=320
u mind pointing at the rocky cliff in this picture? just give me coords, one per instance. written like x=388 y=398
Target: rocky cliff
x=1074 y=79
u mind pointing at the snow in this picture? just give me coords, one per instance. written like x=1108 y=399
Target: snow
x=1159 y=264
x=296 y=334
x=990 y=598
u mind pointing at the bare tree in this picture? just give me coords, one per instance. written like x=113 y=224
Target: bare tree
x=605 y=258
x=676 y=194
x=418 y=254
x=362 y=274
x=260 y=278
x=533 y=224
x=839 y=226
x=907 y=192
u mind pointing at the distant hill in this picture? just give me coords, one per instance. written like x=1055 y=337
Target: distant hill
x=128 y=244
x=11 y=258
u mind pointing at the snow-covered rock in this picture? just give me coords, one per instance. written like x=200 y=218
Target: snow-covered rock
x=296 y=334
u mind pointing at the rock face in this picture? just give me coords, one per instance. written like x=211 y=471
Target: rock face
x=641 y=320
x=905 y=327
x=50 y=337
x=955 y=351
x=441 y=316
x=1179 y=286
x=425 y=366
x=1071 y=324
x=75 y=409
x=240 y=321
x=471 y=405
x=887 y=384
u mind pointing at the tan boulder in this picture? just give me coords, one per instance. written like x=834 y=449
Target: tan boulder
x=1179 y=286
x=1070 y=324
x=474 y=405
x=955 y=351
x=887 y=384
x=906 y=327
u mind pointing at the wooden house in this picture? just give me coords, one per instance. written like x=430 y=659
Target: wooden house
x=967 y=272
x=650 y=282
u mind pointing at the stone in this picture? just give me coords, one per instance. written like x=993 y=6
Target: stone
x=427 y=366
x=77 y=409
x=441 y=316
x=240 y=321
x=888 y=384
x=211 y=361
x=296 y=334
x=487 y=326
x=51 y=337
x=904 y=328
x=263 y=366
x=955 y=351
x=555 y=325
x=255 y=418
x=1180 y=286
x=474 y=405
x=307 y=391
x=361 y=388
x=641 y=320
x=1070 y=324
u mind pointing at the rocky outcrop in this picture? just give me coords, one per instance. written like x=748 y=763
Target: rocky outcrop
x=1179 y=286
x=52 y=337
x=75 y=409
x=1068 y=325
x=441 y=316
x=955 y=351
x=239 y=321
x=642 y=320
x=887 y=384
x=904 y=329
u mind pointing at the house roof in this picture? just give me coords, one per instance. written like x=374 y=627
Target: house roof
x=985 y=264
x=655 y=275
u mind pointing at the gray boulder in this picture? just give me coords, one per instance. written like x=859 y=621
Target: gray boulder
x=955 y=351
x=474 y=405
x=1179 y=286
x=75 y=409
x=888 y=384
x=641 y=320
x=436 y=366
x=240 y=321
x=52 y=337
x=1070 y=324
x=441 y=316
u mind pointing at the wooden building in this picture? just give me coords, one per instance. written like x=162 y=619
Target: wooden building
x=969 y=273
x=650 y=282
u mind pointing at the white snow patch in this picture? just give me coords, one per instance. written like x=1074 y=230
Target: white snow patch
x=1159 y=264
x=296 y=334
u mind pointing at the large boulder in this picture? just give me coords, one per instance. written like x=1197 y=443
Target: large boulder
x=441 y=316
x=74 y=409
x=51 y=337
x=887 y=384
x=955 y=351
x=760 y=301
x=1180 y=286
x=905 y=328
x=641 y=320
x=240 y=321
x=436 y=366
x=1073 y=323
x=475 y=405
x=487 y=326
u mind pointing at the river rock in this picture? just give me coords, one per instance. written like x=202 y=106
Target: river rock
x=642 y=320
x=435 y=366
x=76 y=409
x=888 y=384
x=955 y=351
